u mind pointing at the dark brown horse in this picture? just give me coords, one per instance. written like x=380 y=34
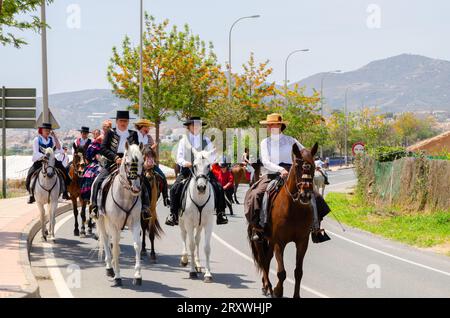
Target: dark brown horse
x=76 y=171
x=290 y=221
x=240 y=176
x=152 y=225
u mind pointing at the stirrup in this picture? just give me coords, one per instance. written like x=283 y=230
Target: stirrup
x=221 y=218
x=31 y=199
x=171 y=220
x=319 y=236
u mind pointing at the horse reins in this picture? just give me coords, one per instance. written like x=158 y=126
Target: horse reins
x=306 y=179
x=44 y=171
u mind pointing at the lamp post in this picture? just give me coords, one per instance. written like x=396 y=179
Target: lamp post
x=286 y=72
x=230 y=95
x=141 y=77
x=322 y=99
x=45 y=115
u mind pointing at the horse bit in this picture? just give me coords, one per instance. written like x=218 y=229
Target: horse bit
x=305 y=182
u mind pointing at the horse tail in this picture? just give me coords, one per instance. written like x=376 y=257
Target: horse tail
x=155 y=226
x=259 y=250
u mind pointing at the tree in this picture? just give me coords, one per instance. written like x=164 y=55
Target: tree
x=9 y=10
x=412 y=128
x=178 y=72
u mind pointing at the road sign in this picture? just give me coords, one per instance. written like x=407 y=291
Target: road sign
x=18 y=110
x=52 y=120
x=358 y=148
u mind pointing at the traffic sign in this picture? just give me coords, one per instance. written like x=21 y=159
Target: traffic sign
x=358 y=148
x=52 y=120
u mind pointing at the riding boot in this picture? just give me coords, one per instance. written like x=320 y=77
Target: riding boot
x=172 y=219
x=221 y=218
x=165 y=194
x=31 y=199
x=326 y=180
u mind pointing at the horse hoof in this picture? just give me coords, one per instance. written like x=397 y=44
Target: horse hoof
x=264 y=291
x=207 y=279
x=110 y=272
x=44 y=238
x=46 y=232
x=278 y=292
x=117 y=282
x=153 y=258
x=184 y=264
x=193 y=275
x=76 y=232
x=82 y=234
x=137 y=281
x=143 y=253
x=198 y=269
x=89 y=231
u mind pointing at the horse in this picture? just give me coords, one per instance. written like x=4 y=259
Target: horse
x=76 y=171
x=153 y=226
x=46 y=192
x=240 y=176
x=291 y=220
x=198 y=215
x=122 y=208
x=319 y=183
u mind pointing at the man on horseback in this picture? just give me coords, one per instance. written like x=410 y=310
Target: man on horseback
x=46 y=139
x=276 y=158
x=143 y=129
x=82 y=143
x=320 y=167
x=113 y=148
x=193 y=139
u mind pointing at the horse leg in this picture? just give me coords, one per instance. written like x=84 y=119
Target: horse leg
x=144 y=230
x=193 y=272
x=115 y=254
x=76 y=231
x=52 y=206
x=198 y=235
x=137 y=248
x=184 y=253
x=281 y=272
x=298 y=272
x=208 y=234
x=83 y=219
x=151 y=236
x=235 y=191
x=267 y=285
x=104 y=240
x=43 y=227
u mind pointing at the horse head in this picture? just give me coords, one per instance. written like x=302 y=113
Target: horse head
x=48 y=163
x=131 y=168
x=304 y=167
x=149 y=157
x=200 y=168
x=79 y=163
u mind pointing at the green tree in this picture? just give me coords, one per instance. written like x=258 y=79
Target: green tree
x=9 y=12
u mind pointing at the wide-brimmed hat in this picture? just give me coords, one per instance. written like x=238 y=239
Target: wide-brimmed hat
x=144 y=123
x=122 y=114
x=84 y=129
x=45 y=126
x=274 y=118
x=192 y=120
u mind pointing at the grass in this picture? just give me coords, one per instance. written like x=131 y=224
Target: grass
x=420 y=229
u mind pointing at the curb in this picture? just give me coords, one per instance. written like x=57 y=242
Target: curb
x=26 y=238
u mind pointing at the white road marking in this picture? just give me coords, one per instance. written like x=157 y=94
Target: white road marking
x=248 y=258
x=53 y=268
x=391 y=255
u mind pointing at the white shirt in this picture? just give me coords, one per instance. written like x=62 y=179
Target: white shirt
x=36 y=153
x=145 y=139
x=123 y=139
x=277 y=149
x=319 y=163
x=186 y=141
x=63 y=158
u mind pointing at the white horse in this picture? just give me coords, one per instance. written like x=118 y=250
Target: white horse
x=198 y=215
x=122 y=207
x=46 y=192
x=319 y=182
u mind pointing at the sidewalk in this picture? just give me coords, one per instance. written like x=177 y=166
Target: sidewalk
x=337 y=168
x=17 y=220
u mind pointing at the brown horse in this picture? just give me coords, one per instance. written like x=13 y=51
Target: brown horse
x=76 y=171
x=240 y=176
x=290 y=221
x=152 y=225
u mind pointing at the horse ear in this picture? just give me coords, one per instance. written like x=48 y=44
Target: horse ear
x=296 y=150
x=141 y=146
x=314 y=149
x=127 y=145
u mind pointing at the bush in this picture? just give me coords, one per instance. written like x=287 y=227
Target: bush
x=387 y=153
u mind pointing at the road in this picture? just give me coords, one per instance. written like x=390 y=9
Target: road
x=352 y=264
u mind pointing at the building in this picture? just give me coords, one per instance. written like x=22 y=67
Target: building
x=433 y=146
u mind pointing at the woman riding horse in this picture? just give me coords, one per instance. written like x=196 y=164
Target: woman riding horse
x=46 y=139
x=277 y=160
x=93 y=168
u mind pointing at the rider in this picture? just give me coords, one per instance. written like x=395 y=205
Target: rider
x=64 y=157
x=46 y=139
x=93 y=168
x=193 y=138
x=320 y=167
x=247 y=163
x=113 y=148
x=82 y=143
x=276 y=158
x=143 y=129
x=226 y=180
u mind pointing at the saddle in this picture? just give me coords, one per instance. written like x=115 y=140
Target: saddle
x=184 y=192
x=269 y=197
x=105 y=187
x=35 y=176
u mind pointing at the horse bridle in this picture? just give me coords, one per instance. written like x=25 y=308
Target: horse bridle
x=200 y=207
x=132 y=174
x=306 y=181
x=44 y=172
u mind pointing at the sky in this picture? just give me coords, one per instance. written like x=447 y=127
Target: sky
x=341 y=34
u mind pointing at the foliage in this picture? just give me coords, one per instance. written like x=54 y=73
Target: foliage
x=411 y=128
x=387 y=153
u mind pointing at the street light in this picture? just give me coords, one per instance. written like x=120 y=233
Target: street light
x=321 y=99
x=286 y=72
x=141 y=77
x=230 y=96
x=346 y=124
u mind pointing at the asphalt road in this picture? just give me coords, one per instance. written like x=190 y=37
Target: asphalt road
x=352 y=264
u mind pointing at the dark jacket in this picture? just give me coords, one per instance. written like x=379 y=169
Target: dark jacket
x=110 y=144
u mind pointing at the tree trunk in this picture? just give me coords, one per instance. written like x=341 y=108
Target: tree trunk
x=157 y=127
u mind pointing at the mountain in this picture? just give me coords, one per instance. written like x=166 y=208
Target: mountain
x=401 y=83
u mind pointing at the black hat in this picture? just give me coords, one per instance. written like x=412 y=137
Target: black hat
x=122 y=114
x=46 y=126
x=193 y=119
x=84 y=129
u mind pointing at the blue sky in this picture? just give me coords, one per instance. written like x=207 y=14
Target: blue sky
x=335 y=31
